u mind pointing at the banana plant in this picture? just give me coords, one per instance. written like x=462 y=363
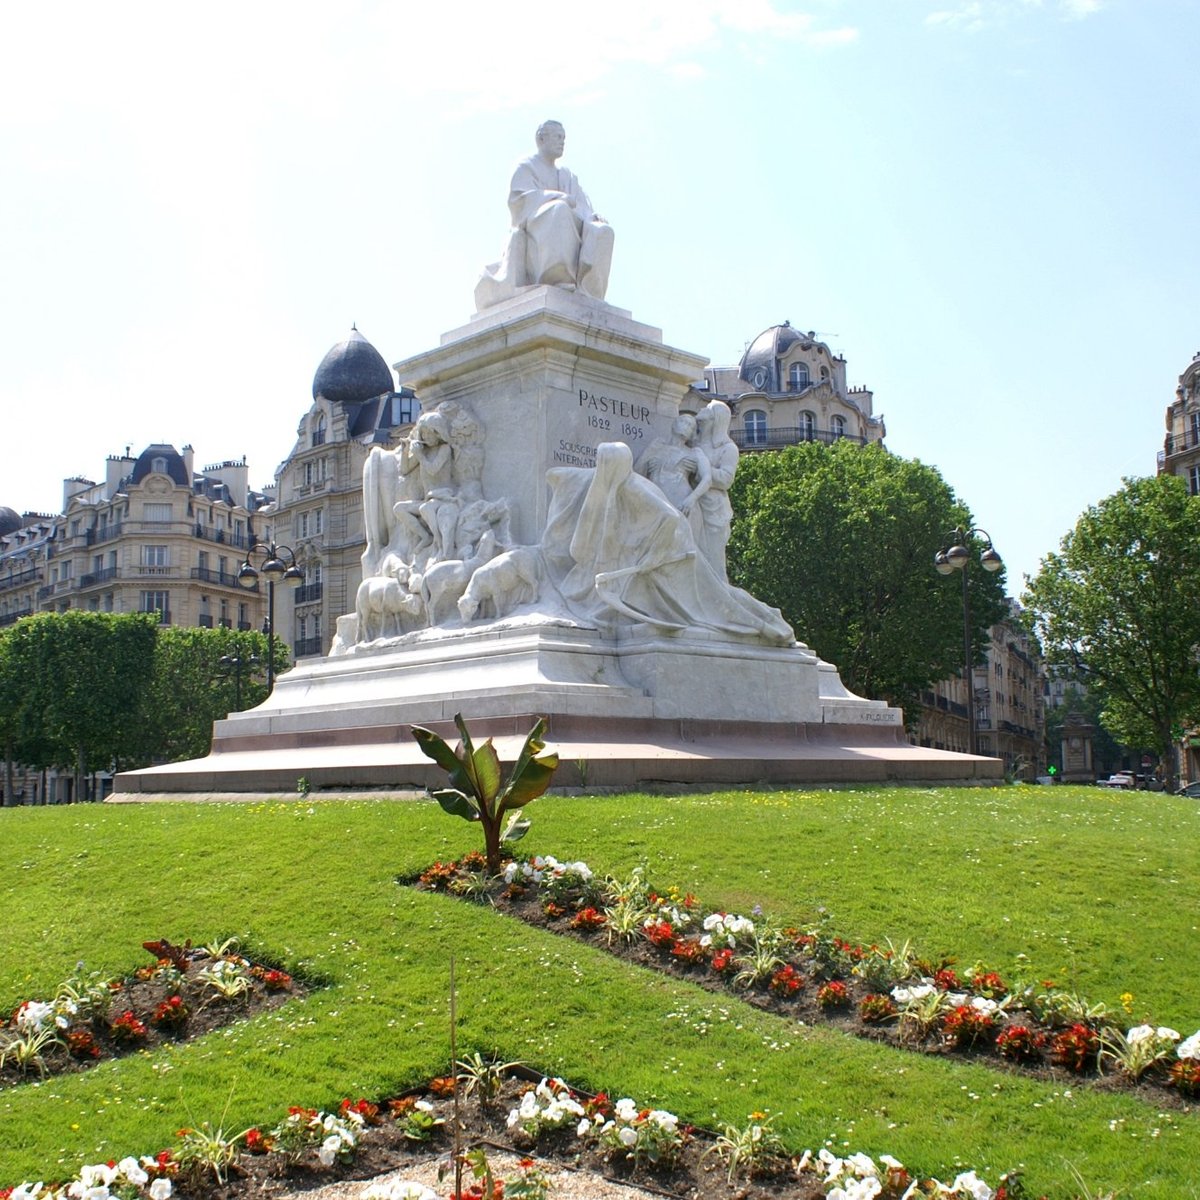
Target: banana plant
x=476 y=791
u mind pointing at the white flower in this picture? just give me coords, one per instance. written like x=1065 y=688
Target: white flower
x=906 y=995
x=160 y=1189
x=856 y=1189
x=665 y=1120
x=97 y=1174
x=397 y=1189
x=1139 y=1033
x=628 y=1136
x=1189 y=1047
x=329 y=1150
x=970 y=1183
x=863 y=1165
x=626 y=1110
x=957 y=999
x=32 y=1015
x=1166 y=1034
x=27 y=1191
x=131 y=1169
x=584 y=1128
x=982 y=1004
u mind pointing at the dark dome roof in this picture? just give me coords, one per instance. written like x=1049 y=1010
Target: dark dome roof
x=10 y=521
x=353 y=371
x=766 y=349
x=176 y=468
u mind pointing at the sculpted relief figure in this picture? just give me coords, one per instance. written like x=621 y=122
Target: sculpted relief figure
x=680 y=469
x=716 y=512
x=616 y=547
x=556 y=237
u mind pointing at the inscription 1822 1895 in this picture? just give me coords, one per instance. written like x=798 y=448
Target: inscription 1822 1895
x=613 y=416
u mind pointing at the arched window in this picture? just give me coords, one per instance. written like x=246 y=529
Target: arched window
x=808 y=427
x=318 y=430
x=158 y=466
x=798 y=376
x=837 y=427
x=756 y=428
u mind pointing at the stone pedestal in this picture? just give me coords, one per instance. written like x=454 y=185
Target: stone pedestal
x=550 y=376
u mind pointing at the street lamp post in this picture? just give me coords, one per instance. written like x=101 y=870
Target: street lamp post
x=955 y=556
x=232 y=664
x=278 y=564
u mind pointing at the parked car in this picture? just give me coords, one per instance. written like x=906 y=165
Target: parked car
x=1121 y=779
x=1192 y=790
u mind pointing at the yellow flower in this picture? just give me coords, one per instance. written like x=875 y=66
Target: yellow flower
x=1127 y=1001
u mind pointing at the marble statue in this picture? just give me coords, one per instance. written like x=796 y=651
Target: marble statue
x=556 y=238
x=506 y=582
x=680 y=470
x=617 y=548
x=716 y=512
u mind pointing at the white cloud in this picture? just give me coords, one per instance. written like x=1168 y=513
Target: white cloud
x=974 y=15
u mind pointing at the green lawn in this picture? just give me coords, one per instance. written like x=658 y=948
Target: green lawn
x=1099 y=889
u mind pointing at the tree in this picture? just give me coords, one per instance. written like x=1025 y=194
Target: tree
x=81 y=675
x=841 y=539
x=1118 y=603
x=190 y=688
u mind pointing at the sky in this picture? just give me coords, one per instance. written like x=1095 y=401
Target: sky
x=988 y=207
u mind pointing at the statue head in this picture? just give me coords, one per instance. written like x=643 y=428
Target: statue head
x=713 y=421
x=551 y=139
x=684 y=427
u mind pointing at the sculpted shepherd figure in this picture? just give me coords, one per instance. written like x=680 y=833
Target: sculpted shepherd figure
x=556 y=238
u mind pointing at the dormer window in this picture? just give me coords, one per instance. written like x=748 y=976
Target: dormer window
x=158 y=465
x=318 y=430
x=798 y=378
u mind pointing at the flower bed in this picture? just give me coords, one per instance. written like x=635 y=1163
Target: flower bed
x=811 y=974
x=188 y=991
x=503 y=1109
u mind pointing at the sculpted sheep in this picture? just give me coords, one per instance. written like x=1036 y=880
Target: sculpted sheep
x=444 y=582
x=382 y=606
x=507 y=581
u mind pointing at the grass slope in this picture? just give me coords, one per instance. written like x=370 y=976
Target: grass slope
x=1102 y=889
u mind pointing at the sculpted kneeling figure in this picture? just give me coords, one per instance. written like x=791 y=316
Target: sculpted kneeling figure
x=556 y=238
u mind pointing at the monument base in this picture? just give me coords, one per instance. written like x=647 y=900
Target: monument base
x=622 y=711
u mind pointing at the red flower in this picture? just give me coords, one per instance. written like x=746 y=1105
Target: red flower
x=660 y=934
x=127 y=1028
x=947 y=980
x=989 y=984
x=588 y=918
x=833 y=994
x=786 y=981
x=876 y=1008
x=1075 y=1048
x=722 y=961
x=1020 y=1043
x=966 y=1025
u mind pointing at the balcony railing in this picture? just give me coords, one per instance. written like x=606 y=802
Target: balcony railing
x=775 y=439
x=94 y=578
x=19 y=578
x=223 y=537
x=306 y=647
x=309 y=593
x=106 y=533
x=13 y=617
x=224 y=578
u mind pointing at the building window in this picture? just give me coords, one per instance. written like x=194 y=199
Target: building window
x=1194 y=428
x=302 y=525
x=156 y=556
x=798 y=376
x=756 y=428
x=159 y=602
x=1194 y=479
x=808 y=427
x=158 y=465
x=156 y=512
x=315 y=471
x=318 y=430
x=319 y=521
x=405 y=409
x=837 y=427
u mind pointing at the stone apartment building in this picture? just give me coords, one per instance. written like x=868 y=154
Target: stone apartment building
x=1180 y=454
x=319 y=513
x=1009 y=696
x=788 y=388
x=154 y=535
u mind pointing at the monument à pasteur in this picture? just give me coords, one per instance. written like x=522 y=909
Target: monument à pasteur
x=549 y=540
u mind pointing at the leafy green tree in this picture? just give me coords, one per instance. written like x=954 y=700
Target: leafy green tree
x=190 y=688
x=1118 y=603
x=82 y=676
x=841 y=539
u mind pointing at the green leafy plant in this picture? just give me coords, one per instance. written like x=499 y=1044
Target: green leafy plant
x=483 y=1077
x=24 y=1048
x=750 y=1150
x=477 y=791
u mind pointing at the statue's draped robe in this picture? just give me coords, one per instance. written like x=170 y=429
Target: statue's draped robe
x=614 y=545
x=552 y=241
